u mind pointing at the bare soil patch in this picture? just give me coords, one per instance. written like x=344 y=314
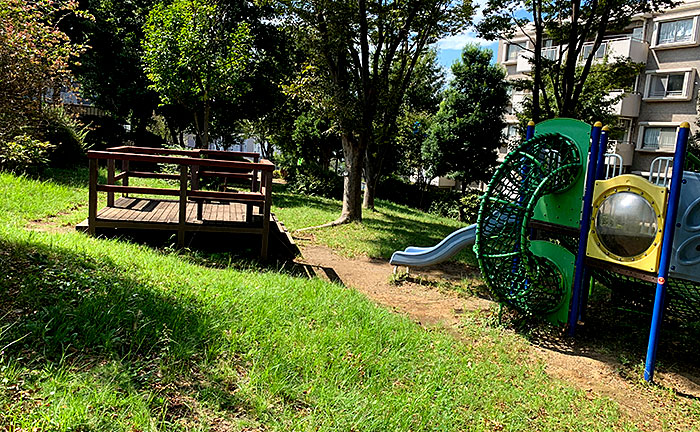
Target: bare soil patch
x=596 y=372
x=53 y=223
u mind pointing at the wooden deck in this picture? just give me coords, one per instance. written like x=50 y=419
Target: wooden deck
x=244 y=209
x=161 y=211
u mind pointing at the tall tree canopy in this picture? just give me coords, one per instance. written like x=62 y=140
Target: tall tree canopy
x=570 y=25
x=109 y=71
x=34 y=57
x=194 y=57
x=112 y=76
x=361 y=57
x=420 y=102
x=468 y=128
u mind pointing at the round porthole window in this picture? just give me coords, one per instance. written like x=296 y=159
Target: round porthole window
x=626 y=224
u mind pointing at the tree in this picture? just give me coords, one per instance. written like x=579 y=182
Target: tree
x=596 y=101
x=193 y=57
x=361 y=57
x=570 y=25
x=109 y=71
x=420 y=101
x=34 y=58
x=468 y=128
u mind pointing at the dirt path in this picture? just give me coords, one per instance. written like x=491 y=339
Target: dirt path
x=594 y=372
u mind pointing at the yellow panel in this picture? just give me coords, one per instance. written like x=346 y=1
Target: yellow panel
x=655 y=195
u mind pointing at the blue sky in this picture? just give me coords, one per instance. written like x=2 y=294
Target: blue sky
x=449 y=48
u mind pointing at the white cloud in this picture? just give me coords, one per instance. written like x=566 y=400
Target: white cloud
x=458 y=41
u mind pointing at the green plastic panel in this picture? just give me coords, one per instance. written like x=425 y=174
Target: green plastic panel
x=564 y=261
x=565 y=208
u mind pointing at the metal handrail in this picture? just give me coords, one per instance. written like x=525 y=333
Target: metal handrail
x=655 y=171
x=613 y=169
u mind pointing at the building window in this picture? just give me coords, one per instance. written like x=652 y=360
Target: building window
x=638 y=34
x=671 y=85
x=659 y=138
x=675 y=31
x=666 y=85
x=512 y=51
x=599 y=54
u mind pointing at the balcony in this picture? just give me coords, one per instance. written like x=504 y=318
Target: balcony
x=626 y=47
x=628 y=106
x=524 y=66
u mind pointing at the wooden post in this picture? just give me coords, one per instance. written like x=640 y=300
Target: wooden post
x=195 y=186
x=183 y=207
x=92 y=197
x=110 y=181
x=125 y=180
x=253 y=188
x=267 y=182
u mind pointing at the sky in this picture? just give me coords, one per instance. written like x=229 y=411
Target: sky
x=449 y=48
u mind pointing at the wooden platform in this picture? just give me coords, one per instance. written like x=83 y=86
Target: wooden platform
x=217 y=191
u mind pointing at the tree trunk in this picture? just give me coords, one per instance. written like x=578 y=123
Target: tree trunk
x=205 y=132
x=371 y=177
x=537 y=60
x=352 y=203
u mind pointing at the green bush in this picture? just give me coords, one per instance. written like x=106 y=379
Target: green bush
x=67 y=134
x=453 y=205
x=312 y=179
x=24 y=153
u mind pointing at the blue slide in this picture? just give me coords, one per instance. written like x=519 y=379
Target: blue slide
x=446 y=249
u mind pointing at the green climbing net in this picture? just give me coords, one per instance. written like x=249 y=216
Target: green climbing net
x=546 y=164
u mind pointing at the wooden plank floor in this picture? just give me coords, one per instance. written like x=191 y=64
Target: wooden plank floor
x=166 y=211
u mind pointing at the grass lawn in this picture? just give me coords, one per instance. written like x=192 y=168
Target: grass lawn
x=106 y=335
x=389 y=228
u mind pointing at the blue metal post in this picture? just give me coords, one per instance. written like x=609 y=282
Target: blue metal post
x=602 y=149
x=599 y=175
x=585 y=225
x=530 y=132
x=666 y=248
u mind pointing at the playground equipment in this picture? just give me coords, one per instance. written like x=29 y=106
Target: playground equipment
x=446 y=249
x=553 y=217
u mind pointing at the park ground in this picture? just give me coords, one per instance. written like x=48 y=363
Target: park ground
x=109 y=334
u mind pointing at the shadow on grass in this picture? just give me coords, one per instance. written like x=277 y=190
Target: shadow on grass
x=394 y=233
x=64 y=310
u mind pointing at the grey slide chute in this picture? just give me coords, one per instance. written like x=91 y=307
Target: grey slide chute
x=446 y=249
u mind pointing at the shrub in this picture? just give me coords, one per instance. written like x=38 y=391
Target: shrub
x=312 y=179
x=454 y=205
x=24 y=153
x=67 y=134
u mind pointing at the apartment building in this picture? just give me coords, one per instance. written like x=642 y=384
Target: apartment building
x=664 y=95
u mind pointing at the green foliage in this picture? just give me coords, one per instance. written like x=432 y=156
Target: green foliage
x=24 y=153
x=401 y=152
x=595 y=103
x=454 y=205
x=193 y=57
x=67 y=134
x=360 y=61
x=313 y=179
x=34 y=58
x=467 y=129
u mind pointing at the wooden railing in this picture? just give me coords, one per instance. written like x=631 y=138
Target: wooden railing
x=194 y=165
